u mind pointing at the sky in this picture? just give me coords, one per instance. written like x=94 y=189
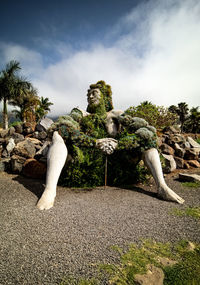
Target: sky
x=147 y=50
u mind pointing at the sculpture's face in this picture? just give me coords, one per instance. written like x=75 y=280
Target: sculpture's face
x=93 y=96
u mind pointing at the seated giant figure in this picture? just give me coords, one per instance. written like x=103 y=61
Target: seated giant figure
x=83 y=137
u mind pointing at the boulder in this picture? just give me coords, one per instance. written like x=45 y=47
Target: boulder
x=154 y=276
x=191 y=154
x=180 y=163
x=172 y=139
x=179 y=151
x=3 y=133
x=25 y=149
x=44 y=124
x=4 y=164
x=17 y=163
x=10 y=146
x=19 y=129
x=189 y=177
x=193 y=143
x=34 y=169
x=193 y=163
x=166 y=149
x=17 y=137
x=42 y=135
x=171 y=130
x=11 y=131
x=170 y=164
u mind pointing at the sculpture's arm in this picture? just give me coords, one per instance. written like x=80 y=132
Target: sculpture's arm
x=55 y=161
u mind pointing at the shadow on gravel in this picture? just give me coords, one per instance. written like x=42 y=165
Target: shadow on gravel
x=36 y=186
x=142 y=191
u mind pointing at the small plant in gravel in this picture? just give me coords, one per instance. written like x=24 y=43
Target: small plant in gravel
x=191 y=184
x=190 y=211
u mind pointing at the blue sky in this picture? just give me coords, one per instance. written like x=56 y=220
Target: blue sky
x=146 y=50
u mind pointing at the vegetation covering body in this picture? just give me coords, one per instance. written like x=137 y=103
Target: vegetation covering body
x=86 y=167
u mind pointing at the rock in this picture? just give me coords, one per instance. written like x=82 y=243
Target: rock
x=169 y=162
x=35 y=141
x=189 y=177
x=164 y=261
x=171 y=130
x=28 y=128
x=166 y=149
x=3 y=133
x=17 y=163
x=172 y=139
x=180 y=152
x=193 y=143
x=19 y=129
x=44 y=124
x=154 y=276
x=11 y=131
x=4 y=164
x=4 y=153
x=42 y=135
x=34 y=169
x=186 y=145
x=193 y=163
x=191 y=154
x=180 y=163
x=25 y=149
x=17 y=137
x=10 y=146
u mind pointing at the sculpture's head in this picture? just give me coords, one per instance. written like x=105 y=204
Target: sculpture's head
x=94 y=96
x=99 y=98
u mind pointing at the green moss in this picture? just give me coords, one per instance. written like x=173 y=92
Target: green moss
x=190 y=211
x=191 y=184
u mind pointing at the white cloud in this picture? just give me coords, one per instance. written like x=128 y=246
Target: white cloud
x=154 y=56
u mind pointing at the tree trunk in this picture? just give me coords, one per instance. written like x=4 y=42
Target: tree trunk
x=5 y=114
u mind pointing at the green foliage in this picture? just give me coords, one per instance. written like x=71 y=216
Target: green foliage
x=190 y=211
x=157 y=116
x=86 y=168
x=185 y=271
x=191 y=184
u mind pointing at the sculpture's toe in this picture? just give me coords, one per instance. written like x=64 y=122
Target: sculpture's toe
x=167 y=194
x=45 y=203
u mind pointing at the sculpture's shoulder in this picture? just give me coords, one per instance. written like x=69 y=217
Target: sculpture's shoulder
x=112 y=122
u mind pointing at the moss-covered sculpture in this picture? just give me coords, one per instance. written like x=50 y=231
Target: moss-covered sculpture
x=89 y=137
x=81 y=132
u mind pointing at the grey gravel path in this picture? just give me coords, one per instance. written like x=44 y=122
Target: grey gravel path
x=39 y=247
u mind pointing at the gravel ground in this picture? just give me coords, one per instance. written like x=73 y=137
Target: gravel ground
x=42 y=247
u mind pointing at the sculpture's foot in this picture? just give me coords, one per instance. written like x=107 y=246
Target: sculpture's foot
x=46 y=201
x=167 y=194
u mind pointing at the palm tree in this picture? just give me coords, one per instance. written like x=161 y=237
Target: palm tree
x=27 y=102
x=44 y=107
x=194 y=119
x=183 y=111
x=11 y=85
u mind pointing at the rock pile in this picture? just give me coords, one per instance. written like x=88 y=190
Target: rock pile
x=178 y=151
x=24 y=147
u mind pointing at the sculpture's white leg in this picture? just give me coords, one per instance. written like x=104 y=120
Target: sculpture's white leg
x=56 y=158
x=152 y=160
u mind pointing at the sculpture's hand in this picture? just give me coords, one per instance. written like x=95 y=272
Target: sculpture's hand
x=107 y=145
